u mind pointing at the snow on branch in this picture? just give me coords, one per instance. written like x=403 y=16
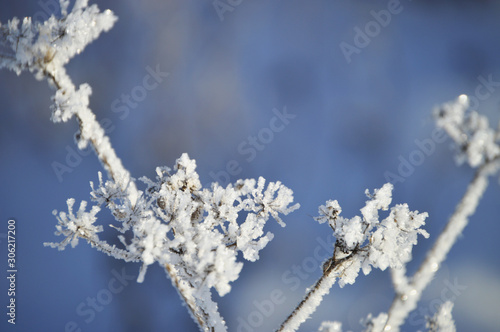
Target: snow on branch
x=370 y=324
x=196 y=233
x=374 y=243
x=44 y=48
x=193 y=230
x=362 y=242
x=81 y=225
x=478 y=144
x=200 y=232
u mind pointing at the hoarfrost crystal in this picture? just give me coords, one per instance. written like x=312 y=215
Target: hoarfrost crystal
x=176 y=221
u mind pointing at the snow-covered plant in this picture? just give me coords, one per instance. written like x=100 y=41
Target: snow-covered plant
x=374 y=243
x=479 y=144
x=44 y=48
x=362 y=242
x=192 y=231
x=474 y=140
x=196 y=233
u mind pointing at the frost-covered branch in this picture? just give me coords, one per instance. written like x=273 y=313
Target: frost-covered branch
x=479 y=145
x=193 y=232
x=197 y=233
x=362 y=242
x=44 y=48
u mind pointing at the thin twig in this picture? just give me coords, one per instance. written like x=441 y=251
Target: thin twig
x=314 y=296
x=99 y=141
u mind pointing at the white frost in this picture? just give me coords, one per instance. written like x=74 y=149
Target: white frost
x=176 y=221
x=381 y=244
x=476 y=142
x=362 y=242
x=442 y=321
x=47 y=46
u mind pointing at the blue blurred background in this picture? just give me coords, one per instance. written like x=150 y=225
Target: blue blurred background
x=356 y=118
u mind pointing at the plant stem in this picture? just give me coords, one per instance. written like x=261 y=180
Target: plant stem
x=313 y=297
x=99 y=141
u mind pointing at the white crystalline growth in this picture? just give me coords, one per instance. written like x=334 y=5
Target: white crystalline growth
x=362 y=242
x=393 y=240
x=476 y=141
x=177 y=222
x=75 y=226
x=442 y=321
x=369 y=242
x=203 y=235
x=68 y=102
x=49 y=45
x=44 y=48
